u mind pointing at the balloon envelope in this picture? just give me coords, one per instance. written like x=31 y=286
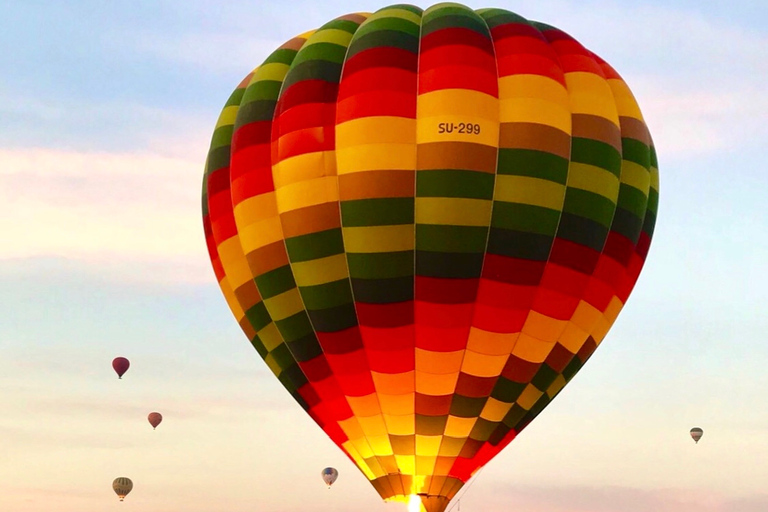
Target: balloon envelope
x=426 y=222
x=122 y=486
x=329 y=476
x=696 y=434
x=120 y=365
x=154 y=419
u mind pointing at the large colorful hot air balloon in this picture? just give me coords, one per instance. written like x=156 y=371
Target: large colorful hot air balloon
x=426 y=222
x=122 y=486
x=120 y=365
x=329 y=476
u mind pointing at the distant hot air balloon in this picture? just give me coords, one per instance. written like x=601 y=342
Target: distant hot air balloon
x=120 y=365
x=329 y=476
x=122 y=486
x=426 y=221
x=696 y=434
x=154 y=419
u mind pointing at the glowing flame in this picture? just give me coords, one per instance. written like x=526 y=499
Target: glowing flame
x=414 y=503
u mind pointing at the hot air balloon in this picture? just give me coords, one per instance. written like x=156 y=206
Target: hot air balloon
x=425 y=222
x=120 y=365
x=696 y=434
x=329 y=476
x=122 y=486
x=154 y=419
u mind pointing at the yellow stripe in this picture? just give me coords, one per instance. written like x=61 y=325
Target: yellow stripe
x=458 y=427
x=373 y=426
x=303 y=167
x=453 y=211
x=530 y=110
x=534 y=86
x=593 y=179
x=655 y=179
x=395 y=13
x=229 y=297
x=376 y=130
x=397 y=405
x=481 y=365
x=406 y=464
x=321 y=270
x=635 y=175
x=270 y=337
x=306 y=35
x=490 y=343
x=273 y=71
x=554 y=388
x=307 y=193
x=234 y=262
x=380 y=444
x=436 y=385
x=528 y=397
x=401 y=425
x=528 y=190
x=590 y=94
x=542 y=327
x=227 y=116
x=330 y=35
x=625 y=101
x=531 y=349
x=376 y=157
x=256 y=208
x=260 y=234
x=273 y=364
x=573 y=338
x=427 y=445
x=586 y=316
x=495 y=410
x=284 y=305
x=379 y=239
x=458 y=102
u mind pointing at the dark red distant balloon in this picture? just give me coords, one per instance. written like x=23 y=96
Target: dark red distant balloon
x=154 y=419
x=121 y=365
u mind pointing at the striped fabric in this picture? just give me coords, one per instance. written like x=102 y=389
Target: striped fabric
x=425 y=222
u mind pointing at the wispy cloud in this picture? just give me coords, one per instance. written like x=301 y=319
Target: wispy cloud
x=107 y=208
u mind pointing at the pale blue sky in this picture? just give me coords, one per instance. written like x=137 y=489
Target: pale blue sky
x=106 y=109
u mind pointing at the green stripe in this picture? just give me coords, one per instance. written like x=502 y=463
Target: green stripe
x=282 y=56
x=445 y=19
x=328 y=52
x=386 y=39
x=314 y=246
x=589 y=205
x=632 y=200
x=389 y=24
x=525 y=217
x=441 y=238
x=597 y=153
x=326 y=295
x=377 y=211
x=380 y=265
x=275 y=282
x=494 y=17
x=635 y=151
x=537 y=164
x=454 y=183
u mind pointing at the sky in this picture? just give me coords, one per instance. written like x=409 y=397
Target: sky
x=106 y=110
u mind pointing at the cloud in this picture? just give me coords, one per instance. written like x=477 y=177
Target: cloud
x=112 y=209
